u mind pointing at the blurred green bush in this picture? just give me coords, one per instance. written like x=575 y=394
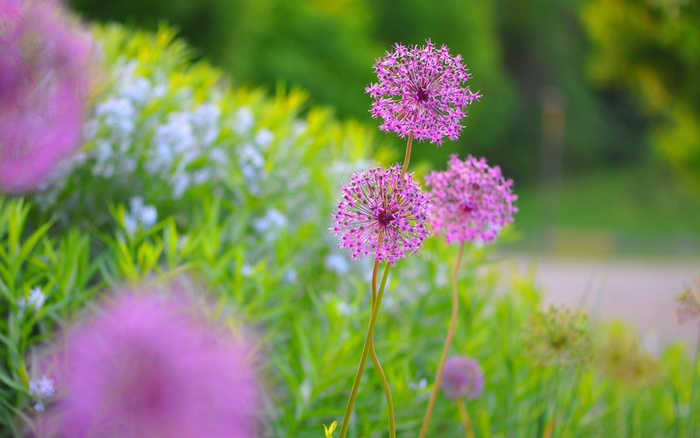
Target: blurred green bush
x=653 y=48
x=521 y=54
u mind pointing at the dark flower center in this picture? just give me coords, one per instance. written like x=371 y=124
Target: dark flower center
x=466 y=208
x=385 y=218
x=422 y=95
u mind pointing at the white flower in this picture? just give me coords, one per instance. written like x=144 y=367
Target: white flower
x=246 y=270
x=137 y=90
x=264 y=137
x=206 y=121
x=273 y=220
x=243 y=120
x=181 y=181
x=149 y=215
x=290 y=276
x=118 y=114
x=35 y=300
x=41 y=389
x=250 y=155
x=336 y=262
x=139 y=214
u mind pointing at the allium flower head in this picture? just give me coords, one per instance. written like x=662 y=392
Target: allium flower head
x=43 y=75
x=149 y=365
x=421 y=92
x=380 y=202
x=462 y=377
x=620 y=357
x=689 y=304
x=558 y=336
x=471 y=200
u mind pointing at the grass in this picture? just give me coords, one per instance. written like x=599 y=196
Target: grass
x=631 y=211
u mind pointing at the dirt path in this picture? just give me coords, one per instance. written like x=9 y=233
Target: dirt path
x=639 y=291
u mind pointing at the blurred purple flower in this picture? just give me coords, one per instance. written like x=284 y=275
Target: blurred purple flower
x=149 y=365
x=462 y=378
x=471 y=200
x=420 y=92
x=44 y=60
x=378 y=201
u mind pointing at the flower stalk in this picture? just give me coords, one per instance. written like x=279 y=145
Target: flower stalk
x=365 y=349
x=446 y=347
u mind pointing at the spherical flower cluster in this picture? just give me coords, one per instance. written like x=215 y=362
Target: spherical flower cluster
x=382 y=212
x=148 y=365
x=44 y=60
x=471 y=200
x=421 y=92
x=558 y=336
x=462 y=378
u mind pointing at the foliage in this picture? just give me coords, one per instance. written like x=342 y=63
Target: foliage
x=518 y=55
x=653 y=48
x=262 y=250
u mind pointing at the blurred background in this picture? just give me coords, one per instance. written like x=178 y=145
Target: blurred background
x=591 y=106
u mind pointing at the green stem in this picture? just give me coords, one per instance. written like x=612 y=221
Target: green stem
x=446 y=347
x=407 y=157
x=365 y=350
x=693 y=386
x=375 y=359
x=464 y=416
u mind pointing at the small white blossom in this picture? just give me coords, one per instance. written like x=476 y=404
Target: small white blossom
x=336 y=262
x=118 y=114
x=34 y=301
x=246 y=270
x=264 y=137
x=41 y=389
x=243 y=120
x=137 y=90
x=273 y=220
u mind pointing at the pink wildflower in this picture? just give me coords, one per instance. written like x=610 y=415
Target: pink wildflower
x=148 y=365
x=421 y=93
x=43 y=75
x=462 y=378
x=471 y=200
x=377 y=202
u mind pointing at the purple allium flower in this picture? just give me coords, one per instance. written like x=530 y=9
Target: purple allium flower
x=378 y=202
x=44 y=60
x=421 y=92
x=462 y=378
x=470 y=200
x=149 y=365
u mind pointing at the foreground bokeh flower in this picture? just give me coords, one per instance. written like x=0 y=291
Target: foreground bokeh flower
x=44 y=60
x=149 y=365
x=462 y=378
x=421 y=92
x=382 y=202
x=471 y=200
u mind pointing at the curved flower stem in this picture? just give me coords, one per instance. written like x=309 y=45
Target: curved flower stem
x=446 y=347
x=375 y=359
x=407 y=157
x=365 y=348
x=464 y=416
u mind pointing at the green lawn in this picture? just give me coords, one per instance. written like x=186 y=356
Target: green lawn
x=636 y=210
